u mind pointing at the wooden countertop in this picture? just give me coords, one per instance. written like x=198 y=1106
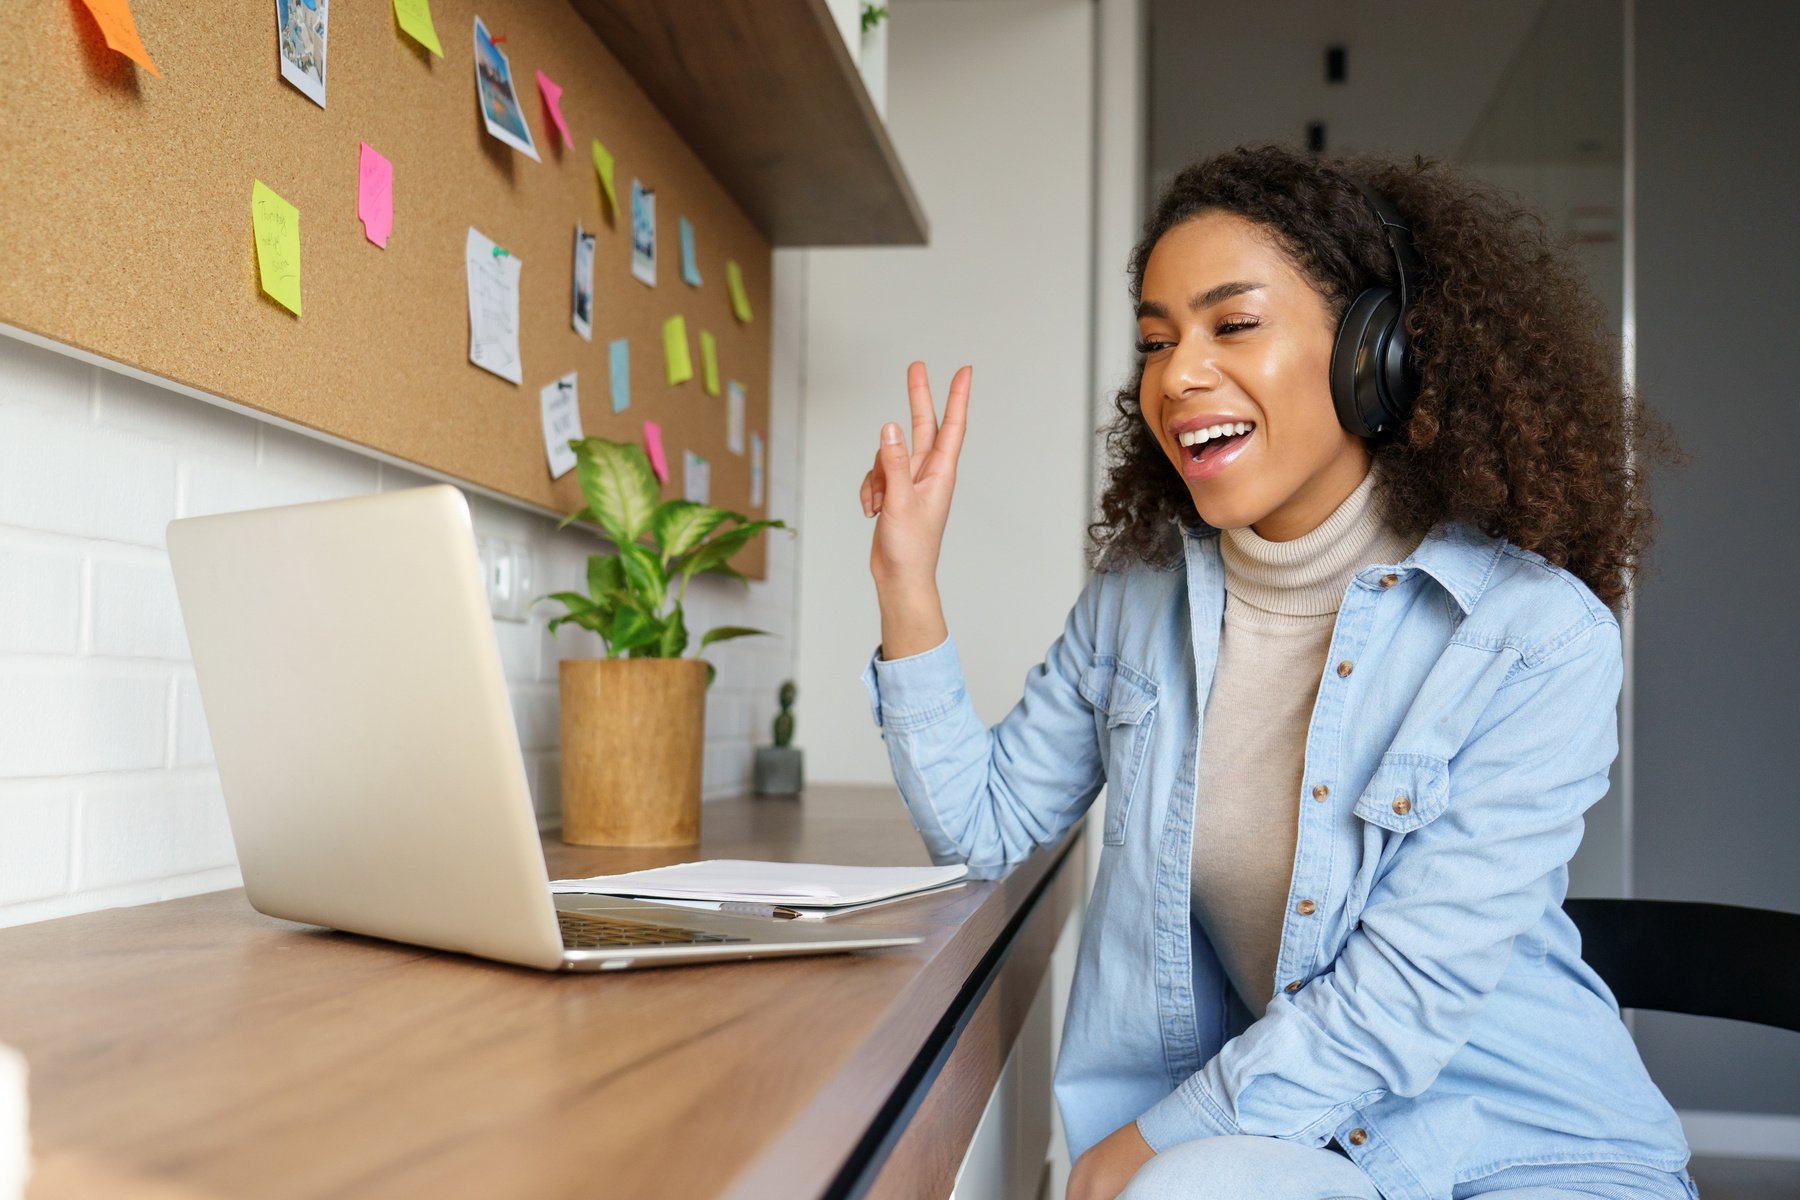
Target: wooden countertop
x=198 y=1049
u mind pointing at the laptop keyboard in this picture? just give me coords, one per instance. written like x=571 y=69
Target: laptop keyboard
x=584 y=931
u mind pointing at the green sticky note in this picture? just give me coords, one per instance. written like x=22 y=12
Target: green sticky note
x=603 y=166
x=675 y=350
x=709 y=364
x=276 y=224
x=734 y=280
x=415 y=18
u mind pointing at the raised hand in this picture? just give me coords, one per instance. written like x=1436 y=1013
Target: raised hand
x=910 y=493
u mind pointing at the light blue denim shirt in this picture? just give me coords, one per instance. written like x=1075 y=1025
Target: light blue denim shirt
x=1431 y=1010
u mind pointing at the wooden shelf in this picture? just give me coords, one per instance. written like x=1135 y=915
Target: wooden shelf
x=766 y=95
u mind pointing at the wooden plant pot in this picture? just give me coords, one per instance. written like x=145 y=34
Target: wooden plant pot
x=632 y=732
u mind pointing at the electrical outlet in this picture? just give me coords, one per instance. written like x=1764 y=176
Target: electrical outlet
x=518 y=556
x=506 y=576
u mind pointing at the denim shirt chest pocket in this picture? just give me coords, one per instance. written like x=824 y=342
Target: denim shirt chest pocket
x=1406 y=793
x=1124 y=701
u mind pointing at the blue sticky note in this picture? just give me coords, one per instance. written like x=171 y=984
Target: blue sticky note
x=690 y=269
x=619 y=352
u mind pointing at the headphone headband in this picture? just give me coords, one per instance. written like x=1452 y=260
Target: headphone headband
x=1373 y=378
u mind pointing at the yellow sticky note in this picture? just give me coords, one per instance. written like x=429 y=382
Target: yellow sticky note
x=603 y=166
x=277 y=227
x=675 y=350
x=415 y=18
x=709 y=364
x=120 y=31
x=734 y=281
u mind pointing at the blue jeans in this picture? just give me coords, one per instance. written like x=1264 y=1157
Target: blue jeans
x=1262 y=1168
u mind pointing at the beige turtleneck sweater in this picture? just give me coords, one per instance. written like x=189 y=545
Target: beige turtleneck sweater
x=1281 y=602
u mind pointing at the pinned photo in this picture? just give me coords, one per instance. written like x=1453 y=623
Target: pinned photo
x=643 y=233
x=499 y=101
x=581 y=302
x=301 y=34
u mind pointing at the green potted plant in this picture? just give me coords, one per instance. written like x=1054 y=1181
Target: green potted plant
x=779 y=768
x=633 y=722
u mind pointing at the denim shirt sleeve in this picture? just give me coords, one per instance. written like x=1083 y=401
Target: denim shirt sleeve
x=1438 y=928
x=989 y=797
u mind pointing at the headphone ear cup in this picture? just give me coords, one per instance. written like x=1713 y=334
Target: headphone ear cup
x=1357 y=359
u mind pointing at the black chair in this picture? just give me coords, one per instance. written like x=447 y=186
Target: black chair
x=1705 y=960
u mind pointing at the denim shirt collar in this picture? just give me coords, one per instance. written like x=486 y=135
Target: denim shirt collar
x=1456 y=554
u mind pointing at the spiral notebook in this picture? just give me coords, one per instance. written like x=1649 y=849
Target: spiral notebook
x=811 y=889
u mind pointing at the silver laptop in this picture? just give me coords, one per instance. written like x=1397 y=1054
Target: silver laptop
x=367 y=752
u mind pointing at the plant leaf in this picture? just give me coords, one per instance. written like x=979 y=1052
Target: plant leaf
x=620 y=487
x=710 y=672
x=580 y=514
x=679 y=525
x=722 y=547
x=575 y=602
x=633 y=629
x=675 y=636
x=726 y=570
x=644 y=572
x=605 y=574
x=724 y=632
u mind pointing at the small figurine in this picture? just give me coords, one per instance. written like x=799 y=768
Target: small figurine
x=779 y=768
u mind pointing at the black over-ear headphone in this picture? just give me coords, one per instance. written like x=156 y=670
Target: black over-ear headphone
x=1373 y=378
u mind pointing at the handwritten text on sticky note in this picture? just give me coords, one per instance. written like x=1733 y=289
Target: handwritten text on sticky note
x=120 y=31
x=415 y=18
x=276 y=224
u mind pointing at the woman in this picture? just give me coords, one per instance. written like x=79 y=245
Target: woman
x=1348 y=667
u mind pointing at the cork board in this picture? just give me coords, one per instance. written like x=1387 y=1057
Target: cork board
x=126 y=200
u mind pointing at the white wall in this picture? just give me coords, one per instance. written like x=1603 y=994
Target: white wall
x=108 y=794
x=990 y=108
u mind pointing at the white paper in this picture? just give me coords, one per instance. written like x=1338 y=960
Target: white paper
x=696 y=478
x=581 y=287
x=562 y=421
x=300 y=31
x=643 y=233
x=493 y=308
x=15 y=1144
x=823 y=884
x=756 y=470
x=498 y=95
x=734 y=416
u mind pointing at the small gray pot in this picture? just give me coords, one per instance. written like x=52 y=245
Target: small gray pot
x=779 y=771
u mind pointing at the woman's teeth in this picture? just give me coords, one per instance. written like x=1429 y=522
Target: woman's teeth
x=1194 y=437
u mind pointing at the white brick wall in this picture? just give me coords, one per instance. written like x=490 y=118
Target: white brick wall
x=108 y=794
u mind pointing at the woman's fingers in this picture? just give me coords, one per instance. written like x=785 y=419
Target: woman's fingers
x=924 y=415
x=956 y=416
x=896 y=467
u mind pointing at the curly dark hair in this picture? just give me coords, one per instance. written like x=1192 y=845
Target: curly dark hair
x=1522 y=424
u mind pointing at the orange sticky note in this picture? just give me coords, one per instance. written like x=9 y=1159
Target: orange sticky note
x=120 y=31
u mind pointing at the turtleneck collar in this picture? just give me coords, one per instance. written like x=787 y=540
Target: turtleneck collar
x=1306 y=576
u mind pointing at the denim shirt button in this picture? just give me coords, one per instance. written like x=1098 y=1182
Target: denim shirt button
x=1292 y=987
x=1344 y=669
x=1306 y=908
x=1388 y=581
x=1320 y=791
x=1402 y=805
x=1358 y=1136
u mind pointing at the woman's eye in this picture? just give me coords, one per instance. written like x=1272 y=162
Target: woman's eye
x=1150 y=347
x=1234 y=326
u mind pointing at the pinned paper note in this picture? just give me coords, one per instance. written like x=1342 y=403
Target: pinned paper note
x=562 y=423
x=696 y=478
x=643 y=233
x=499 y=100
x=277 y=228
x=654 y=448
x=415 y=18
x=603 y=167
x=301 y=37
x=734 y=417
x=552 y=93
x=375 y=195
x=120 y=31
x=618 y=354
x=675 y=350
x=581 y=286
x=734 y=283
x=709 y=364
x=756 y=470
x=493 y=307
x=690 y=268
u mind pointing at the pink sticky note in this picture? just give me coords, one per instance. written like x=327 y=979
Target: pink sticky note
x=375 y=195
x=553 y=101
x=653 y=445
